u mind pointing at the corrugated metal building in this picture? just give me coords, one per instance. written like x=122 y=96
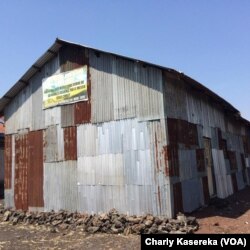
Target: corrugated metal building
x=147 y=139
x=1 y=157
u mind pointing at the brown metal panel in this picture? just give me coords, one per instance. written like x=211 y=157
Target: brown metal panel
x=21 y=175
x=7 y=161
x=234 y=182
x=82 y=111
x=177 y=193
x=192 y=134
x=200 y=159
x=232 y=159
x=172 y=130
x=35 y=169
x=181 y=131
x=172 y=156
x=70 y=143
x=205 y=189
x=72 y=57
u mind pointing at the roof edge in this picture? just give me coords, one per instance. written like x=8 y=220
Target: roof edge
x=53 y=50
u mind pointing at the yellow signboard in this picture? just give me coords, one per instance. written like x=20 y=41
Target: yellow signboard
x=67 y=87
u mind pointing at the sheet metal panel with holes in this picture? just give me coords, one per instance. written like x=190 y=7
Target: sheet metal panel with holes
x=60 y=186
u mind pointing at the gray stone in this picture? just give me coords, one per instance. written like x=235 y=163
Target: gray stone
x=92 y=229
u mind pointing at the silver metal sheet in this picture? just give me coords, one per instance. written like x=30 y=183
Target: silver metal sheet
x=127 y=199
x=37 y=101
x=54 y=144
x=9 y=198
x=191 y=194
x=188 y=164
x=223 y=180
x=124 y=89
x=60 y=186
x=19 y=112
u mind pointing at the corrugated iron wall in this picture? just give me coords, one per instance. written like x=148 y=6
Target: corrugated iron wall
x=124 y=89
x=112 y=159
x=191 y=119
x=136 y=144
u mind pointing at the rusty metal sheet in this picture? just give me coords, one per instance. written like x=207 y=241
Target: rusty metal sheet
x=172 y=130
x=181 y=131
x=70 y=143
x=200 y=159
x=177 y=195
x=7 y=161
x=35 y=169
x=173 y=167
x=205 y=190
x=21 y=172
x=82 y=110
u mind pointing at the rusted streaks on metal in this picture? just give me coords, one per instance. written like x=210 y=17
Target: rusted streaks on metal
x=7 y=161
x=165 y=157
x=35 y=169
x=156 y=152
x=159 y=197
x=70 y=143
x=21 y=175
x=173 y=160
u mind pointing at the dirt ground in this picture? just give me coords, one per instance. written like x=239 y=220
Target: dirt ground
x=222 y=216
x=226 y=216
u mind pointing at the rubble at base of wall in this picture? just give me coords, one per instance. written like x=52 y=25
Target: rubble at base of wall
x=111 y=222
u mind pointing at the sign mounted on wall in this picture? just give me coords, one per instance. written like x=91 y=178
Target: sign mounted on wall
x=64 y=88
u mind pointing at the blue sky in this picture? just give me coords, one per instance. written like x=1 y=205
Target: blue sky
x=208 y=40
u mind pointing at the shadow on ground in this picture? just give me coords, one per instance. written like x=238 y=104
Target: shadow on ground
x=232 y=207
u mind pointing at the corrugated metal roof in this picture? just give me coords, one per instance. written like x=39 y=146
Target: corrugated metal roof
x=53 y=50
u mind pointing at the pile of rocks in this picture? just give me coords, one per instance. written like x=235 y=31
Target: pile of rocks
x=111 y=222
